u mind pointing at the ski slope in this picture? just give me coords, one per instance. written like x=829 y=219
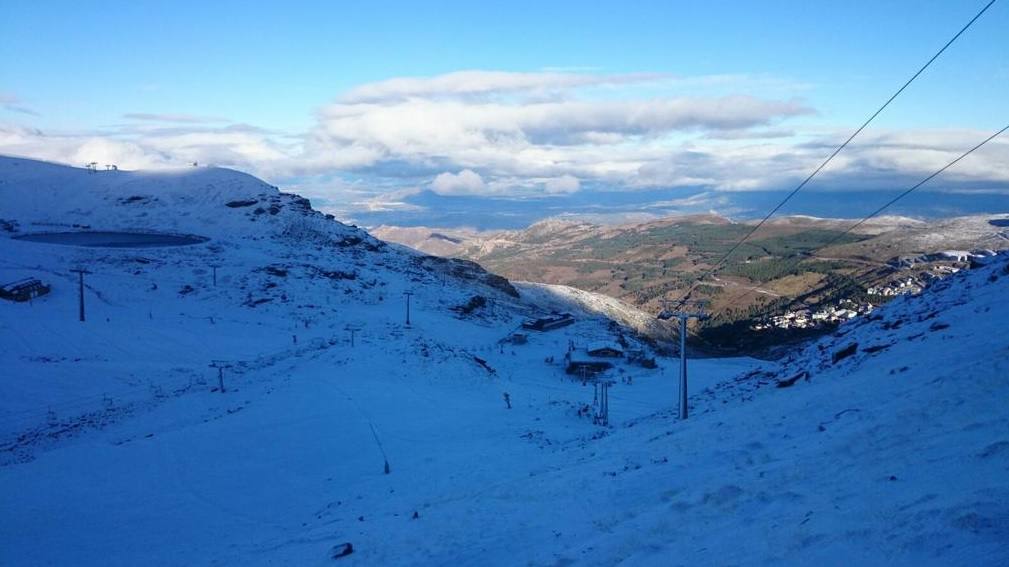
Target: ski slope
x=118 y=448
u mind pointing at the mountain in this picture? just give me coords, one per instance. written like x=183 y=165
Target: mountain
x=602 y=204
x=789 y=263
x=449 y=441
x=430 y=241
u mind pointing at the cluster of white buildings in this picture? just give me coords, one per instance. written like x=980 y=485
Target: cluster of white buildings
x=903 y=286
x=913 y=285
x=806 y=319
x=941 y=264
x=848 y=309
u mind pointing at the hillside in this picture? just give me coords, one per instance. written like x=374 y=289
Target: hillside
x=885 y=442
x=265 y=273
x=790 y=263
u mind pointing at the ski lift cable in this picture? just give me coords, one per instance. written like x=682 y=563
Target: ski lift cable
x=798 y=258
x=714 y=268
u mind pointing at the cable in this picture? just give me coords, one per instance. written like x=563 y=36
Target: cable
x=799 y=258
x=830 y=158
x=917 y=185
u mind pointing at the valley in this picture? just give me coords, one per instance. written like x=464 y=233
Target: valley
x=791 y=264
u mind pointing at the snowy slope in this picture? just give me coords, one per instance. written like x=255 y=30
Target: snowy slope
x=282 y=267
x=117 y=448
x=567 y=298
x=46 y=196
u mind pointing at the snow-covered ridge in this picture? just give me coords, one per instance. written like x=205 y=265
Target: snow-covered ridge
x=211 y=202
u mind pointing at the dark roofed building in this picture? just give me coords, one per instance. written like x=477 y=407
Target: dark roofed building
x=580 y=363
x=23 y=290
x=549 y=323
x=605 y=351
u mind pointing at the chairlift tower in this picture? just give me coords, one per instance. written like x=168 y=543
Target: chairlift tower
x=80 y=288
x=408 y=295
x=213 y=268
x=220 y=365
x=353 y=329
x=684 y=316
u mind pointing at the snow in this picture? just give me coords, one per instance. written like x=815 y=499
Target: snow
x=117 y=450
x=565 y=298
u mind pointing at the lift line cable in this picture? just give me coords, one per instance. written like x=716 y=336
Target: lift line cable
x=717 y=265
x=802 y=256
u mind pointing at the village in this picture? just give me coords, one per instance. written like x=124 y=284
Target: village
x=846 y=309
x=807 y=319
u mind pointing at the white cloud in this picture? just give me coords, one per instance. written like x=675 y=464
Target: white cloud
x=562 y=184
x=478 y=83
x=478 y=133
x=151 y=149
x=519 y=134
x=466 y=182
x=172 y=118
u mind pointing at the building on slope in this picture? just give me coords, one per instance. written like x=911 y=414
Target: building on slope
x=23 y=290
x=544 y=324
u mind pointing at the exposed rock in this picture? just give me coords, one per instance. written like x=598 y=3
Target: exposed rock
x=241 y=203
x=844 y=353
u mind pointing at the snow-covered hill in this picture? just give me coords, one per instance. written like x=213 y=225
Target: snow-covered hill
x=273 y=275
x=47 y=196
x=566 y=298
x=118 y=448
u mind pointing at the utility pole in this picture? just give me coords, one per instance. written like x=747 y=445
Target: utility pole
x=220 y=365
x=80 y=272
x=214 y=267
x=352 y=329
x=684 y=316
x=408 y=295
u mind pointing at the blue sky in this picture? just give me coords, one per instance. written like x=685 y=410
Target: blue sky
x=257 y=85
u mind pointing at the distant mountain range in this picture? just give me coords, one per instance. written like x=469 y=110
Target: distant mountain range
x=426 y=208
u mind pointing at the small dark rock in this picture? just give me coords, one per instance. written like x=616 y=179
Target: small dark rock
x=338 y=275
x=275 y=271
x=341 y=550
x=475 y=302
x=844 y=353
x=789 y=382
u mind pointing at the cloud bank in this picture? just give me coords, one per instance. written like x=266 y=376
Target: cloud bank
x=516 y=134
